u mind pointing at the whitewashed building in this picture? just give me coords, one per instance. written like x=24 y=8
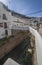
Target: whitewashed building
x=10 y=19
x=4 y=30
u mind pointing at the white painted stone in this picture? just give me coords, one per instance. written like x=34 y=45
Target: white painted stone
x=9 y=61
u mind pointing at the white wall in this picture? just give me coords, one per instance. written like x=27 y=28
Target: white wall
x=9 y=32
x=2 y=32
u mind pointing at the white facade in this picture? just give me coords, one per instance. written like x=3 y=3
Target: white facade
x=12 y=20
x=2 y=21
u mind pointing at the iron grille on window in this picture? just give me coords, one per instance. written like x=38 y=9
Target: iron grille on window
x=4 y=17
x=5 y=25
x=6 y=32
x=1 y=24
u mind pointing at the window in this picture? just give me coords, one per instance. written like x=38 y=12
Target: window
x=35 y=21
x=41 y=19
x=1 y=24
x=6 y=32
x=4 y=17
x=12 y=13
x=5 y=25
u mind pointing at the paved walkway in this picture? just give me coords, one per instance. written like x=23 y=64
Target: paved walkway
x=38 y=43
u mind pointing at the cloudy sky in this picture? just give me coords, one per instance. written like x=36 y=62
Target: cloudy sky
x=26 y=7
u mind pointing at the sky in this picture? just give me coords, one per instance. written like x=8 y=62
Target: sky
x=26 y=7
